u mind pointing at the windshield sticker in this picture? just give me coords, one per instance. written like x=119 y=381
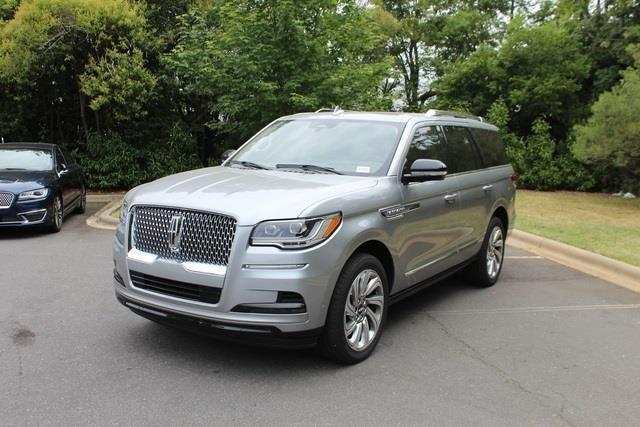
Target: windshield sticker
x=363 y=169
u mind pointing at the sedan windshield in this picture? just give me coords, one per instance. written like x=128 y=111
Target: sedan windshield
x=21 y=159
x=351 y=147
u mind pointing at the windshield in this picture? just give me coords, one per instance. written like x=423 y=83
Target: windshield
x=22 y=159
x=351 y=147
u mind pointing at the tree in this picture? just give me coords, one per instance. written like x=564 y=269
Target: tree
x=51 y=46
x=611 y=136
x=537 y=71
x=425 y=35
x=241 y=64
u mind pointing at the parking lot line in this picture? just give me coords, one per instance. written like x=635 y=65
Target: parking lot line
x=539 y=309
x=524 y=257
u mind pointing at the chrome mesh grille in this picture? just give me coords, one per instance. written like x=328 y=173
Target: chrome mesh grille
x=206 y=237
x=5 y=200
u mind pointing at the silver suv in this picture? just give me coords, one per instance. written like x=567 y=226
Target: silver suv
x=308 y=231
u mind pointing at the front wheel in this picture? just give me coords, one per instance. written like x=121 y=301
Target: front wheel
x=56 y=215
x=82 y=207
x=486 y=269
x=357 y=312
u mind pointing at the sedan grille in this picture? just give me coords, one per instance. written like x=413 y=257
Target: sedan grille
x=203 y=237
x=207 y=294
x=5 y=200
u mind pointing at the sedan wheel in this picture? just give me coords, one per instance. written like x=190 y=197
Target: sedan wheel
x=57 y=215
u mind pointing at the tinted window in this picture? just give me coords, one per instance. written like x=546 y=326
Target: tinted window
x=25 y=159
x=354 y=147
x=427 y=143
x=491 y=147
x=462 y=156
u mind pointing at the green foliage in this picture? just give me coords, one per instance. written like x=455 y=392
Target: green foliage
x=536 y=158
x=537 y=71
x=141 y=89
x=110 y=162
x=611 y=136
x=120 y=83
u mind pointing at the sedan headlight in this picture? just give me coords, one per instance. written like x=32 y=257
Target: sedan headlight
x=295 y=233
x=33 y=195
x=124 y=211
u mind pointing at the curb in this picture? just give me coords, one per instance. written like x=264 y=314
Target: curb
x=611 y=270
x=103 y=219
x=103 y=197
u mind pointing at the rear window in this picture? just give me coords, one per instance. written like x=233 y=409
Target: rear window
x=491 y=147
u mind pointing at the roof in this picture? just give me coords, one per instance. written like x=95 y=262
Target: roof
x=398 y=117
x=28 y=145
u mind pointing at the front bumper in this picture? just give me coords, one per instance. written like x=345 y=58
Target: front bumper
x=254 y=276
x=256 y=335
x=20 y=214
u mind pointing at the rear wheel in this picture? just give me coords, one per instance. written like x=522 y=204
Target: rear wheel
x=56 y=215
x=357 y=312
x=485 y=270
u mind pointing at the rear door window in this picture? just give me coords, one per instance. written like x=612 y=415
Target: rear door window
x=462 y=156
x=490 y=145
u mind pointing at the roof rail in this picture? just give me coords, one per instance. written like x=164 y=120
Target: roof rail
x=335 y=110
x=456 y=114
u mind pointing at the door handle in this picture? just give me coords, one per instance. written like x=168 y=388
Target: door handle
x=487 y=188
x=451 y=198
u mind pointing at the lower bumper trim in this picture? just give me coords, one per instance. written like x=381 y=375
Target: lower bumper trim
x=258 y=335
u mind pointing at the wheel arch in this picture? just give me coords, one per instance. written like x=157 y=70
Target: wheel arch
x=501 y=213
x=380 y=251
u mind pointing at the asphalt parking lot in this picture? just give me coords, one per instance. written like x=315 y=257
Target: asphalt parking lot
x=546 y=346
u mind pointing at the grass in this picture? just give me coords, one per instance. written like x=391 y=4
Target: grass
x=599 y=223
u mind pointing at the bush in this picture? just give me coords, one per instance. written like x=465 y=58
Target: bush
x=539 y=163
x=110 y=162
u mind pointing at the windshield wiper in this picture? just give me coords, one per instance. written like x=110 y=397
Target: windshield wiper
x=248 y=164
x=307 y=168
x=13 y=169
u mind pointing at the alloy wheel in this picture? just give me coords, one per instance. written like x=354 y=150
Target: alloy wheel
x=363 y=310
x=57 y=212
x=495 y=252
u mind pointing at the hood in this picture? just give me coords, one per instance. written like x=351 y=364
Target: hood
x=19 y=181
x=248 y=195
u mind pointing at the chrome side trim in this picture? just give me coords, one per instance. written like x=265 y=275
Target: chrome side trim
x=398 y=211
x=274 y=266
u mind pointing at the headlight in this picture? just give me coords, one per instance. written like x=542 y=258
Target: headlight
x=124 y=211
x=295 y=233
x=32 y=195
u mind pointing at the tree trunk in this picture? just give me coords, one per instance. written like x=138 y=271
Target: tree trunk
x=83 y=116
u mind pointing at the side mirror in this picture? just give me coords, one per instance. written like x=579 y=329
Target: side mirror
x=425 y=170
x=226 y=155
x=62 y=169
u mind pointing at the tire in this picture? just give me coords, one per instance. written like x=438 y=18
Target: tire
x=485 y=270
x=364 y=313
x=56 y=214
x=82 y=207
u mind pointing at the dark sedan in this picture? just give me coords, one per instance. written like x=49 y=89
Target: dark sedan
x=39 y=185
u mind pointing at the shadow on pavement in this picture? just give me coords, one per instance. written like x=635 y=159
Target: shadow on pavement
x=206 y=354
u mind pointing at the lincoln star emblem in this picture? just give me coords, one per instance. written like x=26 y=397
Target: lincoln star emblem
x=174 y=234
